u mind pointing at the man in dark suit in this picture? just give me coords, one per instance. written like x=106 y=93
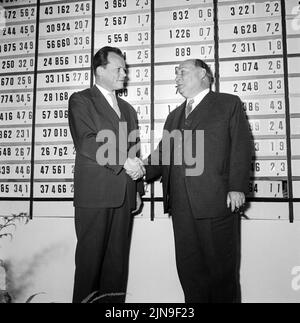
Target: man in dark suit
x=105 y=196
x=202 y=204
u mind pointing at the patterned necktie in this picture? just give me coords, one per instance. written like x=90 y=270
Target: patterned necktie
x=189 y=108
x=115 y=105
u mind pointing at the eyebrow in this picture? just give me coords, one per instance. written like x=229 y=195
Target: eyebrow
x=116 y=66
x=182 y=69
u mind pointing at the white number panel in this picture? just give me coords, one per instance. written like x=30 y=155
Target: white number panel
x=55 y=152
x=15 y=153
x=250 y=48
x=125 y=21
x=54 y=171
x=15 y=135
x=15 y=190
x=269 y=189
x=164 y=53
x=250 y=10
x=22 y=64
x=247 y=68
x=254 y=87
x=19 y=14
x=113 y=6
x=19 y=31
x=62 y=79
x=9 y=48
x=15 y=171
x=52 y=11
x=270 y=148
x=15 y=117
x=54 y=190
x=266 y=168
x=57 y=62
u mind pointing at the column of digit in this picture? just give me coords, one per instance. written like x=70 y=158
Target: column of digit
x=63 y=68
x=183 y=30
x=17 y=61
x=126 y=24
x=293 y=47
x=251 y=66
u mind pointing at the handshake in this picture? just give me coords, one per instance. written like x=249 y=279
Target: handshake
x=135 y=168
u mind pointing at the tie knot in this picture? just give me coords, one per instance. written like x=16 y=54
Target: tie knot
x=191 y=102
x=112 y=95
x=114 y=99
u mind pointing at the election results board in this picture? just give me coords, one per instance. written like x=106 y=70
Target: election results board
x=46 y=50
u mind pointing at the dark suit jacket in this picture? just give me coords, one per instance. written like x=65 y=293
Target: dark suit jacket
x=227 y=154
x=100 y=186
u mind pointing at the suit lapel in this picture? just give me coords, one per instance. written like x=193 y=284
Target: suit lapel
x=203 y=113
x=125 y=114
x=178 y=117
x=103 y=106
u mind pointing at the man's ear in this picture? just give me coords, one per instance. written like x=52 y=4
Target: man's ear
x=99 y=71
x=202 y=72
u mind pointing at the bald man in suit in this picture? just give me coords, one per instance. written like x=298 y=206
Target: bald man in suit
x=204 y=204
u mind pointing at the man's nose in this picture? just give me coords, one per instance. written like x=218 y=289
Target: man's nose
x=123 y=73
x=177 y=78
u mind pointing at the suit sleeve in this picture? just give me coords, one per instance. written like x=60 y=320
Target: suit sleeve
x=83 y=130
x=241 y=150
x=140 y=183
x=154 y=168
x=154 y=165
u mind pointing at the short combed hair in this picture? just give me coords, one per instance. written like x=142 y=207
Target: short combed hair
x=101 y=57
x=209 y=73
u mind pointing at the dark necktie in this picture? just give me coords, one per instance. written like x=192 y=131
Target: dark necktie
x=189 y=108
x=115 y=105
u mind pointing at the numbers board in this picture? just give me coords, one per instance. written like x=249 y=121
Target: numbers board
x=46 y=52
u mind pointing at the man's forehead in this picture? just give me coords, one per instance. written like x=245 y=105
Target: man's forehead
x=187 y=65
x=116 y=60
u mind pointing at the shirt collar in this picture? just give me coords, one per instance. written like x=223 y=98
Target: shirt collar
x=198 y=98
x=106 y=93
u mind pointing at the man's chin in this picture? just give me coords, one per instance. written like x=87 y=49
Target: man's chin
x=119 y=86
x=181 y=92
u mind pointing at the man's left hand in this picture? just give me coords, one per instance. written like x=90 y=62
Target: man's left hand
x=139 y=203
x=236 y=200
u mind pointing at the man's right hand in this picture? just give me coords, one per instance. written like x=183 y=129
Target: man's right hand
x=135 y=168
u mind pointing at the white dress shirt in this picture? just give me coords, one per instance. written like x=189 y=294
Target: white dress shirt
x=198 y=98
x=107 y=94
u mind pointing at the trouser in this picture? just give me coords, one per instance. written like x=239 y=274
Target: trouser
x=207 y=256
x=102 y=253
